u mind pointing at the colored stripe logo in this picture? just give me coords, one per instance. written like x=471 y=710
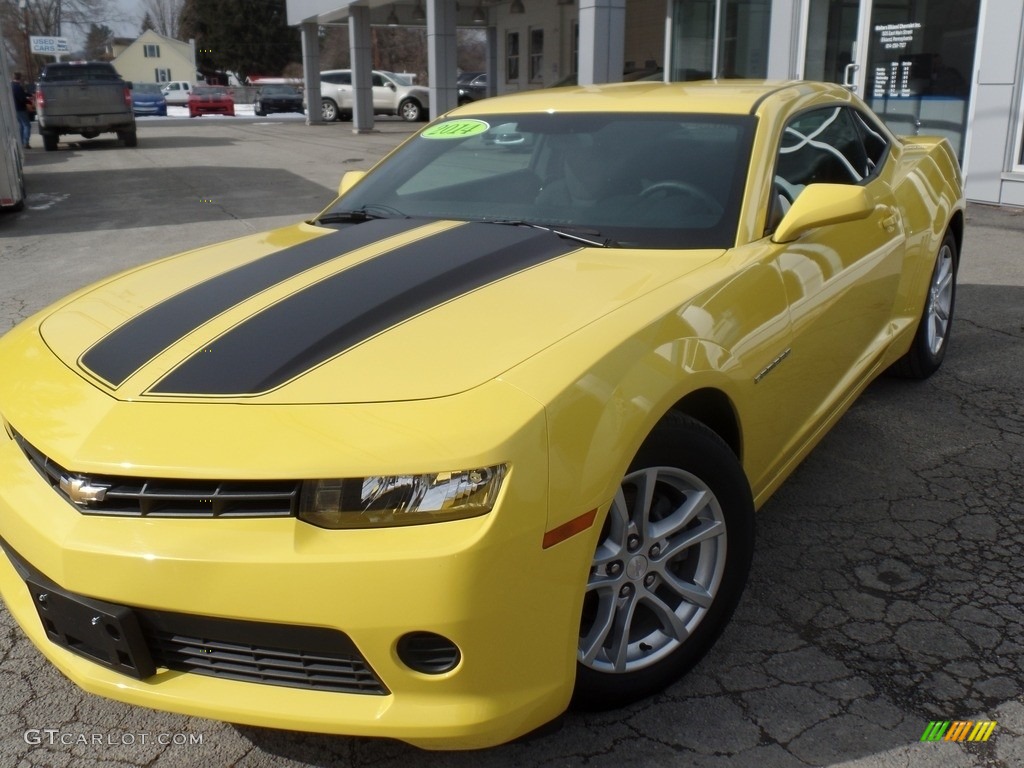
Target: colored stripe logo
x=115 y=357
x=323 y=320
x=958 y=730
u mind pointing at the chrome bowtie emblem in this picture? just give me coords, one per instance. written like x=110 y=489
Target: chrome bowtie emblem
x=81 y=491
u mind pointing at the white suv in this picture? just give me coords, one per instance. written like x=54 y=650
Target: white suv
x=392 y=95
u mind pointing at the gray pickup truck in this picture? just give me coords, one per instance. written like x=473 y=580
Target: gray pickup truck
x=87 y=98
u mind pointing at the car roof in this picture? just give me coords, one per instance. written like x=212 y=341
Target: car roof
x=737 y=97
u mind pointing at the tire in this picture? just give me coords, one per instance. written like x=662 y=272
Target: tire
x=671 y=562
x=50 y=140
x=410 y=111
x=128 y=138
x=260 y=111
x=931 y=339
x=329 y=110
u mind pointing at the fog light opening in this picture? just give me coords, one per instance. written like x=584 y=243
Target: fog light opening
x=428 y=653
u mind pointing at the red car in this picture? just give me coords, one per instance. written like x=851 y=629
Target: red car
x=210 y=100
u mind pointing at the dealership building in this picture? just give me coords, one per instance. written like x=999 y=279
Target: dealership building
x=949 y=67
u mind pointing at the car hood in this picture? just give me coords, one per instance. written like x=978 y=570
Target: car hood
x=384 y=310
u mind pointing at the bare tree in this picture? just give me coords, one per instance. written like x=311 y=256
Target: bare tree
x=165 y=15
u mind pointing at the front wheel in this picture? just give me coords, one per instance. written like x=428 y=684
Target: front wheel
x=931 y=339
x=670 y=566
x=410 y=110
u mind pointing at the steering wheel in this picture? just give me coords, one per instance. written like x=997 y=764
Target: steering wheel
x=673 y=187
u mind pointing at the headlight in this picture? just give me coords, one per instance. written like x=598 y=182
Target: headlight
x=387 y=500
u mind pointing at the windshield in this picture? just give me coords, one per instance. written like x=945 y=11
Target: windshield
x=636 y=180
x=150 y=88
x=400 y=79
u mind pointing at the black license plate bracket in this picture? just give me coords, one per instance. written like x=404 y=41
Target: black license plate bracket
x=106 y=633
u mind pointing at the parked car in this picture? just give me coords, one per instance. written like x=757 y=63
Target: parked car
x=487 y=434
x=210 y=100
x=148 y=99
x=472 y=86
x=392 y=95
x=86 y=98
x=177 y=92
x=278 y=98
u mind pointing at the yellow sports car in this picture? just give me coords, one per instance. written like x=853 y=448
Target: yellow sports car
x=486 y=436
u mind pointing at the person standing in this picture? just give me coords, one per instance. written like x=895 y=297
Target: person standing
x=21 y=108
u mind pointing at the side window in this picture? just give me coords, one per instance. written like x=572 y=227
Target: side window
x=822 y=146
x=512 y=56
x=378 y=80
x=833 y=145
x=876 y=145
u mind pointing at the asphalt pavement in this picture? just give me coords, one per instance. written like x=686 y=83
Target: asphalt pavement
x=886 y=586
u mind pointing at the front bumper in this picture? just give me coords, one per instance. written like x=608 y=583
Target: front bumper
x=487 y=584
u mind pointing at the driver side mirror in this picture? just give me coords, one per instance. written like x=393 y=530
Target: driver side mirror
x=348 y=180
x=820 y=205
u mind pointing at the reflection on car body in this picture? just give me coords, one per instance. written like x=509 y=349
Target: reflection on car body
x=486 y=436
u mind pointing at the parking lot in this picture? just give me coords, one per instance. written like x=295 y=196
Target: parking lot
x=886 y=586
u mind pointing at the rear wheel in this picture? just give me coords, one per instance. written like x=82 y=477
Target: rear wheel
x=328 y=110
x=128 y=138
x=49 y=140
x=928 y=349
x=670 y=565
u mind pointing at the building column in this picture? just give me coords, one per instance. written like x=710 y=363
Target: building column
x=360 y=45
x=492 y=61
x=310 y=33
x=442 y=59
x=602 y=41
x=783 y=40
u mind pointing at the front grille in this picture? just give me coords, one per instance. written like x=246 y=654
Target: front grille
x=272 y=654
x=157 y=497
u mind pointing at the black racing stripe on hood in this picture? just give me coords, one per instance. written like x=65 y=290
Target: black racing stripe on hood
x=325 y=319
x=128 y=347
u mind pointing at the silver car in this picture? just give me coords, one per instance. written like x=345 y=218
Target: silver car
x=393 y=94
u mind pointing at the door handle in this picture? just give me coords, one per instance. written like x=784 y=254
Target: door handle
x=850 y=75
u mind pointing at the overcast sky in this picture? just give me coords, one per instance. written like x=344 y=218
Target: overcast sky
x=130 y=10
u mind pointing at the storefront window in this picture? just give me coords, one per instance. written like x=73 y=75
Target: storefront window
x=920 y=59
x=719 y=38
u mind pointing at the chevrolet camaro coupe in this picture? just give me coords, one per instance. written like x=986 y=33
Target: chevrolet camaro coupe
x=485 y=437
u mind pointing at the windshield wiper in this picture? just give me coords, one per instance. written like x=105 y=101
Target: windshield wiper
x=365 y=213
x=577 y=234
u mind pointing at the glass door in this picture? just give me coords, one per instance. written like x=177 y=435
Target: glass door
x=834 y=35
x=910 y=60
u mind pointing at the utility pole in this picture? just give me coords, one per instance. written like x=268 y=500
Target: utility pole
x=28 y=45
